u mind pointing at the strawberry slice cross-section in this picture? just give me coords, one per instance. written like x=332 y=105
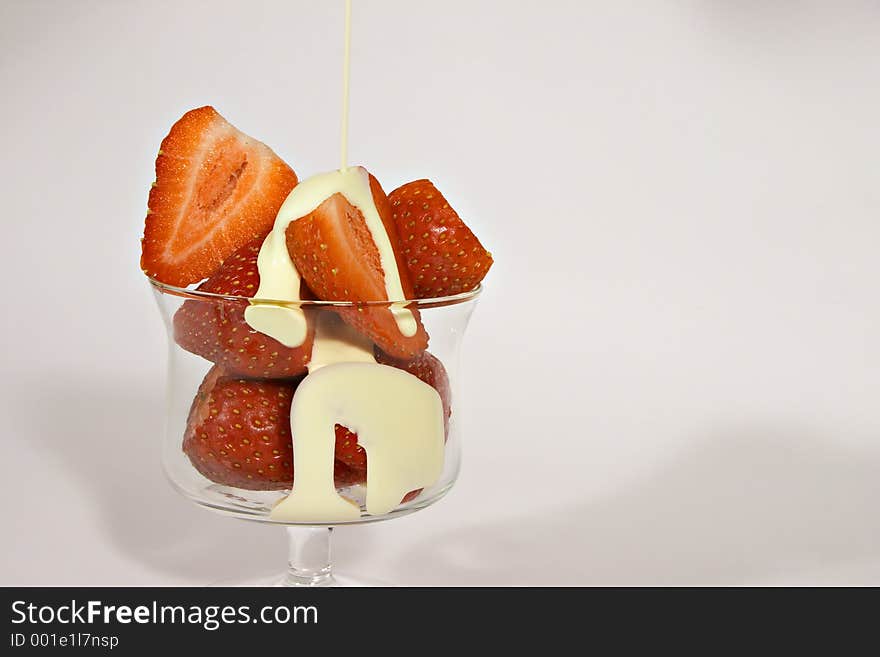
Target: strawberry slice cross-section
x=216 y=189
x=335 y=253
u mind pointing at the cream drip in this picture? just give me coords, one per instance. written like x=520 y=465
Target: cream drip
x=399 y=422
x=337 y=342
x=286 y=323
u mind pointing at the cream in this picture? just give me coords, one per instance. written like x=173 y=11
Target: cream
x=337 y=342
x=286 y=323
x=279 y=280
x=404 y=441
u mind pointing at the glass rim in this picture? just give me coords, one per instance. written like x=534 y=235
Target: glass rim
x=430 y=302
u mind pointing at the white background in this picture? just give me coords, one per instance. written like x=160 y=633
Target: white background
x=673 y=375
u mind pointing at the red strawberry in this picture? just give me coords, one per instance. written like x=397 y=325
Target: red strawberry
x=238 y=434
x=216 y=330
x=216 y=189
x=442 y=254
x=426 y=367
x=336 y=256
x=348 y=451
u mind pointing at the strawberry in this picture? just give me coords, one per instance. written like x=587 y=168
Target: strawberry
x=238 y=434
x=334 y=252
x=425 y=367
x=442 y=254
x=216 y=189
x=344 y=476
x=216 y=330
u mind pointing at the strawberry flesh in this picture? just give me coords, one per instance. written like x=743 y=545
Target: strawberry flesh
x=216 y=189
x=335 y=254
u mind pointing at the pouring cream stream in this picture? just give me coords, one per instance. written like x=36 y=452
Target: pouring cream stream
x=398 y=418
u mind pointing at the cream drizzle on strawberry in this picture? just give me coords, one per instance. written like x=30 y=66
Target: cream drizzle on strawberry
x=279 y=279
x=337 y=342
x=398 y=418
x=399 y=423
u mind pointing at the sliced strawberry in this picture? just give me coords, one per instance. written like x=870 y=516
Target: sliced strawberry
x=442 y=254
x=216 y=330
x=216 y=189
x=426 y=367
x=238 y=434
x=334 y=252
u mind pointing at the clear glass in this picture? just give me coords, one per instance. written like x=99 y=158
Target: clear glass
x=445 y=320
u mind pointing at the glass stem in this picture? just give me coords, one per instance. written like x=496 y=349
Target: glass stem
x=308 y=561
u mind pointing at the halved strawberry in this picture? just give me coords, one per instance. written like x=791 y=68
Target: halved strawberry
x=334 y=252
x=215 y=329
x=426 y=367
x=216 y=189
x=238 y=434
x=442 y=254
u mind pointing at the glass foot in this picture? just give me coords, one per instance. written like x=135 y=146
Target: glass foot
x=308 y=564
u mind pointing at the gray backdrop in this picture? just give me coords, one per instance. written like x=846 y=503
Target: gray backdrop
x=673 y=374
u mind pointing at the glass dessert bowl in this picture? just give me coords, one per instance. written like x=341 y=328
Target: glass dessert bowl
x=314 y=328
x=230 y=443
